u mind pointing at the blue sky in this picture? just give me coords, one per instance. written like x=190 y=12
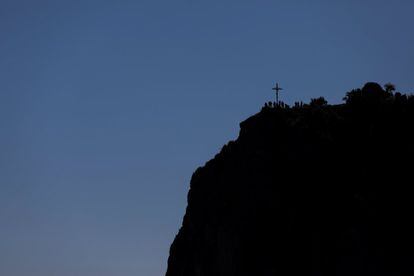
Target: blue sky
x=107 y=107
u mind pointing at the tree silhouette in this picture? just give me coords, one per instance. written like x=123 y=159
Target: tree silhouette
x=318 y=102
x=389 y=87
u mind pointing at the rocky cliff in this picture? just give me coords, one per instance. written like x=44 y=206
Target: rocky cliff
x=313 y=189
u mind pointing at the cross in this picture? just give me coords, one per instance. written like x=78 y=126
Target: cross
x=277 y=89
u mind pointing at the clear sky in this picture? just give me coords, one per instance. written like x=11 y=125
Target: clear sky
x=107 y=107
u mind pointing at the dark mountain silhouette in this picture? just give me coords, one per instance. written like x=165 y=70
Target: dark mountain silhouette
x=313 y=189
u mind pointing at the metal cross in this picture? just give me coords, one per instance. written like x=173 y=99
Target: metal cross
x=277 y=89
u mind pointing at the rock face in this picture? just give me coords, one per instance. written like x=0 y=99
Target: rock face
x=308 y=190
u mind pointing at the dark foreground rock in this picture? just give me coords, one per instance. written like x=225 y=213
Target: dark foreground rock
x=310 y=190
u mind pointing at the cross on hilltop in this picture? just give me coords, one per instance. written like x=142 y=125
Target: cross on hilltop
x=277 y=89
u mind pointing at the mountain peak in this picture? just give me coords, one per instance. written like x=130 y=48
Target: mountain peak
x=301 y=191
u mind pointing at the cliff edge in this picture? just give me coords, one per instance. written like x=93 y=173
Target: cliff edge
x=313 y=189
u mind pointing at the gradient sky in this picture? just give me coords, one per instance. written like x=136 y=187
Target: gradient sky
x=107 y=107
